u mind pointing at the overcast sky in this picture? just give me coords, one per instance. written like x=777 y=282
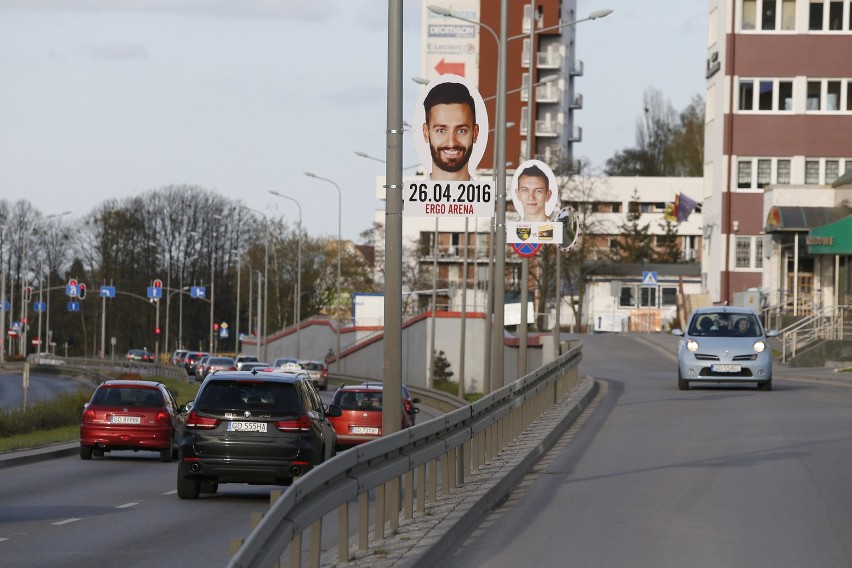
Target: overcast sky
x=105 y=99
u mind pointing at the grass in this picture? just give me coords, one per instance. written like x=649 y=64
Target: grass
x=55 y=421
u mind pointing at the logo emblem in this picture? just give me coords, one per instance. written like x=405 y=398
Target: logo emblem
x=247 y=414
x=523 y=231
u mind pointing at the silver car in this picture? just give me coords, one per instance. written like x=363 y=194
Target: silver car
x=724 y=345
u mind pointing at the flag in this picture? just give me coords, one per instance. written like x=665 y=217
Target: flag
x=684 y=206
x=671 y=212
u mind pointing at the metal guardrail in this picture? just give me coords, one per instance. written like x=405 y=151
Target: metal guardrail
x=403 y=470
x=824 y=325
x=143 y=369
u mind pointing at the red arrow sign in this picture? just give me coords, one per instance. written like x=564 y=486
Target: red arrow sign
x=444 y=68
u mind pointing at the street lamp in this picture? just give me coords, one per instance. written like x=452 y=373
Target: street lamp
x=339 y=248
x=261 y=303
x=297 y=317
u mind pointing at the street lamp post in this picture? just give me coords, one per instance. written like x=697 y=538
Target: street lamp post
x=297 y=317
x=261 y=321
x=339 y=249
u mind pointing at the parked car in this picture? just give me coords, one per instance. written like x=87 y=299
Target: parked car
x=178 y=357
x=724 y=345
x=361 y=414
x=140 y=355
x=253 y=427
x=212 y=364
x=191 y=360
x=407 y=402
x=317 y=371
x=240 y=359
x=287 y=364
x=130 y=415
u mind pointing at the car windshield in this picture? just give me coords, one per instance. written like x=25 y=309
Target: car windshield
x=359 y=400
x=724 y=325
x=273 y=398
x=128 y=396
x=311 y=366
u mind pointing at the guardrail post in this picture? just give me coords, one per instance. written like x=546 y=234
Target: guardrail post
x=379 y=527
x=363 y=521
x=296 y=551
x=432 y=490
x=420 y=474
x=408 y=495
x=392 y=497
x=315 y=550
x=343 y=532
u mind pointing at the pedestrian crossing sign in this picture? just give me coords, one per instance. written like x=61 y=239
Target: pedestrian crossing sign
x=649 y=278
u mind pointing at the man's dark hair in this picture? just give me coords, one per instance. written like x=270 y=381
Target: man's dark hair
x=447 y=94
x=535 y=171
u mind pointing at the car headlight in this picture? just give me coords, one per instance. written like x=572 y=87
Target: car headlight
x=692 y=345
x=759 y=346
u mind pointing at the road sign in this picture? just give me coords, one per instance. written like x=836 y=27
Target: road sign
x=649 y=279
x=223 y=333
x=6 y=306
x=73 y=306
x=526 y=250
x=197 y=292
x=107 y=291
x=36 y=341
x=40 y=306
x=71 y=290
x=155 y=293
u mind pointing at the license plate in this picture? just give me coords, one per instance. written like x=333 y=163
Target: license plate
x=126 y=419
x=726 y=368
x=246 y=426
x=364 y=430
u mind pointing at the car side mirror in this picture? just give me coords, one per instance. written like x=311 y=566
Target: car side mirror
x=415 y=401
x=186 y=407
x=416 y=410
x=678 y=332
x=772 y=333
x=333 y=411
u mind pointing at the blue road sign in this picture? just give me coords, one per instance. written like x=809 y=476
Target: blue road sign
x=107 y=292
x=649 y=279
x=73 y=306
x=198 y=292
x=40 y=306
x=154 y=292
x=71 y=291
x=6 y=306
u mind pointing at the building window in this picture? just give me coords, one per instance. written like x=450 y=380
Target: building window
x=785 y=95
x=835 y=15
x=627 y=298
x=749 y=14
x=832 y=95
x=669 y=295
x=783 y=175
x=788 y=14
x=832 y=170
x=814 y=88
x=811 y=172
x=764 y=101
x=815 y=15
x=744 y=174
x=648 y=297
x=764 y=173
x=743 y=252
x=770 y=17
x=746 y=95
x=758 y=252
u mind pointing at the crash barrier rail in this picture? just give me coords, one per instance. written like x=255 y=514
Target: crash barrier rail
x=823 y=325
x=121 y=365
x=403 y=470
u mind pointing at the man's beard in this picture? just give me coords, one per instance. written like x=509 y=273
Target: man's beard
x=454 y=165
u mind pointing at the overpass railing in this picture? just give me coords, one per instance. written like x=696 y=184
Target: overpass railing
x=407 y=470
x=120 y=365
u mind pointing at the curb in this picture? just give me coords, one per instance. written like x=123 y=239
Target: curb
x=21 y=457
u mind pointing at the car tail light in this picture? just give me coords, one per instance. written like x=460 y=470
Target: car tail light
x=162 y=417
x=300 y=424
x=232 y=368
x=193 y=420
x=89 y=416
x=408 y=407
x=325 y=373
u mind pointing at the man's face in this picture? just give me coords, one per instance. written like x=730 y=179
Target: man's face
x=451 y=134
x=534 y=195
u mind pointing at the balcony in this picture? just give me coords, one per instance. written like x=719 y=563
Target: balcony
x=577 y=69
x=577 y=102
x=547 y=128
x=548 y=93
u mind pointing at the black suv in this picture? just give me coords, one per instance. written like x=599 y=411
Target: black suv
x=253 y=427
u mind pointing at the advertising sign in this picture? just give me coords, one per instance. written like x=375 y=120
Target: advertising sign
x=452 y=45
x=534 y=194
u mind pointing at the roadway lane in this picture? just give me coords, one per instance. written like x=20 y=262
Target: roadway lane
x=42 y=387
x=657 y=477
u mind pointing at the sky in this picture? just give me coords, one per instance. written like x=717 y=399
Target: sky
x=109 y=99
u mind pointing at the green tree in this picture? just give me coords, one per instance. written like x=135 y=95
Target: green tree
x=635 y=242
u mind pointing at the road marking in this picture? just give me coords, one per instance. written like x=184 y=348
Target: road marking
x=126 y=505
x=2 y=539
x=172 y=492
x=66 y=521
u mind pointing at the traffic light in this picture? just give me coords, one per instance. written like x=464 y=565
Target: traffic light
x=28 y=293
x=157 y=331
x=81 y=291
x=215 y=327
x=72 y=282
x=158 y=283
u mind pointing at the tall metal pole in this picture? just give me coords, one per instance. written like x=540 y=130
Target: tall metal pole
x=237 y=331
x=3 y=310
x=339 y=250
x=297 y=301
x=430 y=378
x=259 y=320
x=464 y=310
x=500 y=213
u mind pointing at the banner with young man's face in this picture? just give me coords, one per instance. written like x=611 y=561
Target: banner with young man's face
x=534 y=193
x=450 y=131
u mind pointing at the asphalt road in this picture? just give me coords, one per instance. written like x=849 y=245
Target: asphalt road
x=42 y=387
x=656 y=477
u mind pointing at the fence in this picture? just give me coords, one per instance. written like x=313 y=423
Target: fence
x=406 y=470
x=121 y=365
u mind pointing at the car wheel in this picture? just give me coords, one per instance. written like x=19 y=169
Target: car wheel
x=682 y=384
x=167 y=454
x=188 y=488
x=85 y=452
x=209 y=486
x=767 y=386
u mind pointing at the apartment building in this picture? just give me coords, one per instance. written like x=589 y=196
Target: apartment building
x=777 y=134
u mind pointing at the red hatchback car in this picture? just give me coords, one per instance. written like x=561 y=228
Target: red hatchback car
x=361 y=414
x=130 y=415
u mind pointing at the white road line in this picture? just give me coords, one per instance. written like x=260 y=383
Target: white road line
x=172 y=492
x=66 y=521
x=126 y=505
x=2 y=539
